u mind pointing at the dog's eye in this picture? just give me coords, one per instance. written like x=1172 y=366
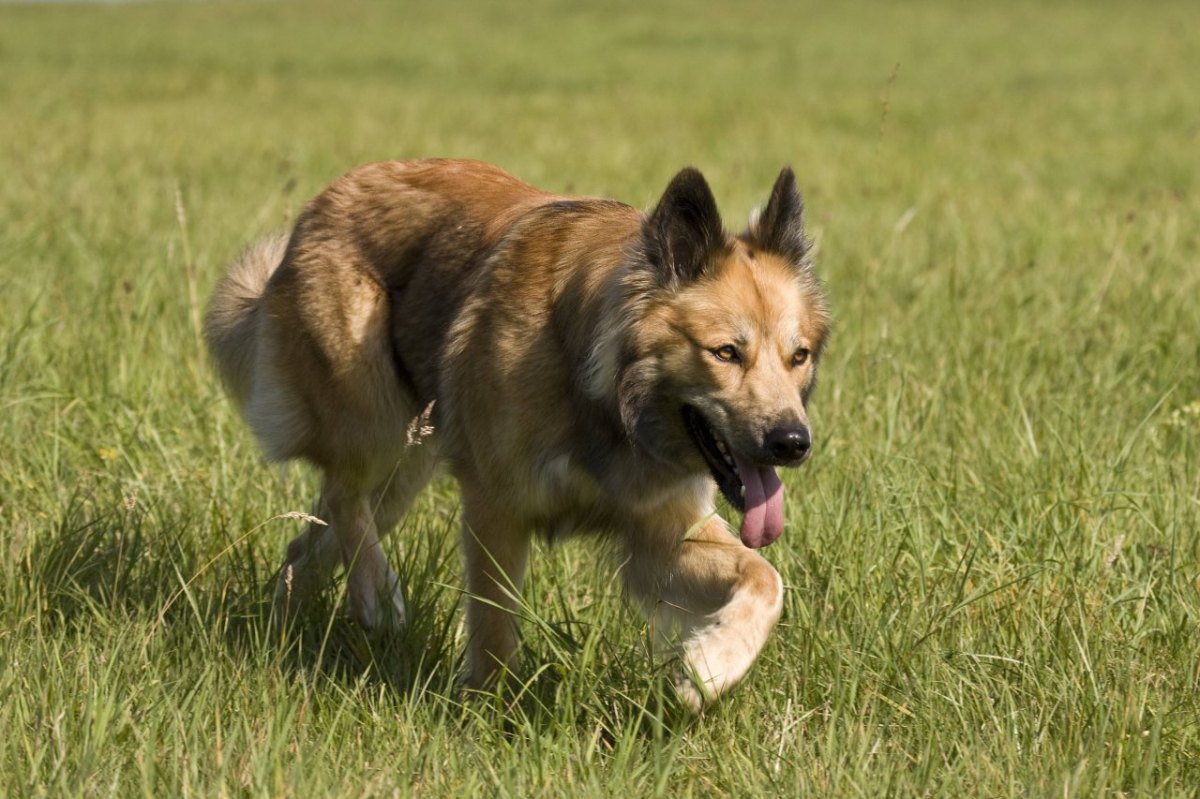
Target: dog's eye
x=800 y=356
x=727 y=353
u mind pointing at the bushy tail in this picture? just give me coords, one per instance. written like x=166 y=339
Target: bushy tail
x=231 y=322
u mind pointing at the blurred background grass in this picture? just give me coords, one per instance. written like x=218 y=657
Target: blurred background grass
x=992 y=562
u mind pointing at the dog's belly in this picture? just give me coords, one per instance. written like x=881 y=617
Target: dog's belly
x=561 y=498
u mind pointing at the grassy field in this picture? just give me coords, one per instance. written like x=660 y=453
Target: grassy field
x=993 y=561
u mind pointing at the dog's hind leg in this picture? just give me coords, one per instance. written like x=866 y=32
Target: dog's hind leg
x=349 y=536
x=309 y=563
x=411 y=474
x=351 y=524
x=712 y=599
x=372 y=588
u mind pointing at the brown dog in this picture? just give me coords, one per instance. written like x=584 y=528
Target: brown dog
x=587 y=368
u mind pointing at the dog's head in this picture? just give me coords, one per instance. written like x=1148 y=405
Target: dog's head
x=723 y=353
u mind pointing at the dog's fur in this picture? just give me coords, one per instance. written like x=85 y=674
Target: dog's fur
x=588 y=368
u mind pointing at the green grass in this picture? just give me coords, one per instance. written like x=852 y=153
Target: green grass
x=993 y=562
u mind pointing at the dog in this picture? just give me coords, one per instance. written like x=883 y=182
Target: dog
x=583 y=367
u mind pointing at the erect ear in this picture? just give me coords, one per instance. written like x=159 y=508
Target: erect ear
x=780 y=226
x=684 y=231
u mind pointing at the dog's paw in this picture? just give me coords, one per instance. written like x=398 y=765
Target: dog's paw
x=396 y=615
x=379 y=611
x=689 y=693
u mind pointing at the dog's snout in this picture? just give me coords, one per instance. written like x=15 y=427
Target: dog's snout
x=789 y=443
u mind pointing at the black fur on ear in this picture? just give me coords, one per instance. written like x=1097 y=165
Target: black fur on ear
x=780 y=226
x=684 y=231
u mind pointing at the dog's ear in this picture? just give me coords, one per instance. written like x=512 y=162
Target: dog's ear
x=684 y=231
x=780 y=226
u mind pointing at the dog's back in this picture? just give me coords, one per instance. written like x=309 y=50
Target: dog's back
x=330 y=344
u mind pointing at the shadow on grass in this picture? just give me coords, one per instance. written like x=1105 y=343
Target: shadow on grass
x=150 y=566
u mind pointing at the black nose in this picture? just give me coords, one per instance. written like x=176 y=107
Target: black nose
x=789 y=444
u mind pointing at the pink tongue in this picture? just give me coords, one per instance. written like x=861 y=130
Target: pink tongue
x=763 y=521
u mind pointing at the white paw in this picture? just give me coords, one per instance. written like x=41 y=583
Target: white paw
x=689 y=694
x=378 y=610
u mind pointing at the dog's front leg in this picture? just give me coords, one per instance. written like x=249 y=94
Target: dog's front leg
x=495 y=549
x=710 y=599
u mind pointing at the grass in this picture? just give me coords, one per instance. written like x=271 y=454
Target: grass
x=993 y=563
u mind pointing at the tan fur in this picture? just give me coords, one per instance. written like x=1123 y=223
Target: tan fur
x=230 y=325
x=554 y=340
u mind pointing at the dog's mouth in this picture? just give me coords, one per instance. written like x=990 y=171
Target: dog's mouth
x=753 y=490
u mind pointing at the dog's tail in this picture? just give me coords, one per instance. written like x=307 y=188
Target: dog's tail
x=231 y=322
